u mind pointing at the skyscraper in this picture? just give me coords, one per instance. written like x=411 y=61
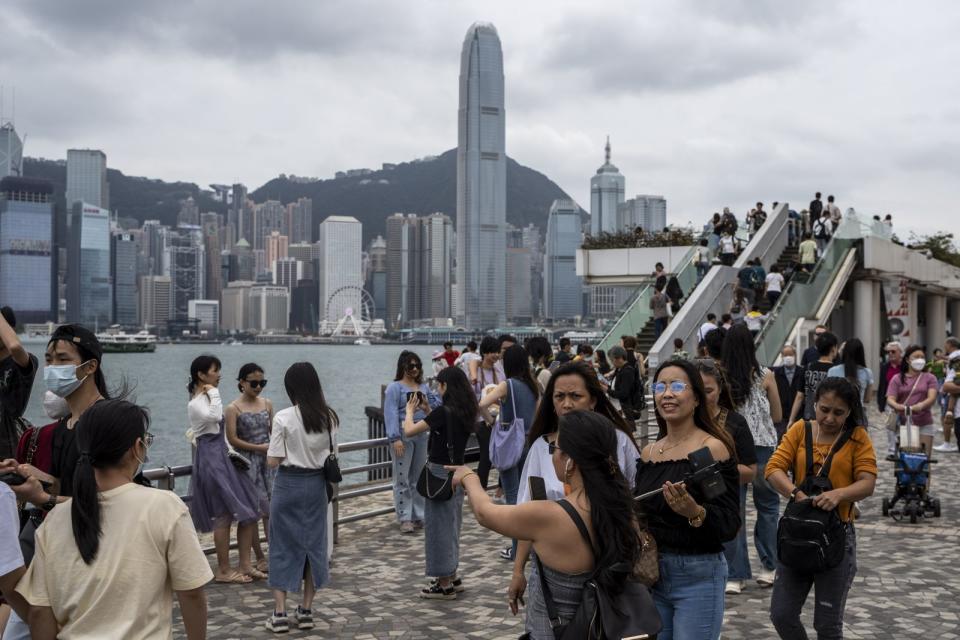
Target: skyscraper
x=520 y=307
x=436 y=260
x=11 y=151
x=184 y=261
x=87 y=178
x=562 y=287
x=89 y=283
x=238 y=199
x=607 y=189
x=648 y=212
x=155 y=302
x=276 y=247
x=269 y=308
x=123 y=267
x=341 y=273
x=212 y=248
x=375 y=279
x=189 y=213
x=402 y=267
x=270 y=216
x=28 y=281
x=481 y=181
x=300 y=220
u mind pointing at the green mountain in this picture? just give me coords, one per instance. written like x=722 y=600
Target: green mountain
x=423 y=186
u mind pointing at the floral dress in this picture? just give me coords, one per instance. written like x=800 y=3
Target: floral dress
x=254 y=427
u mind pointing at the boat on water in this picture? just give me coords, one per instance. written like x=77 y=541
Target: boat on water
x=232 y=342
x=118 y=341
x=362 y=341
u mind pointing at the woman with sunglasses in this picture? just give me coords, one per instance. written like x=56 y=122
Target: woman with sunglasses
x=247 y=422
x=689 y=529
x=109 y=561
x=409 y=453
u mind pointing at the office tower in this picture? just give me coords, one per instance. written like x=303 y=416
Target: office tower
x=519 y=270
x=648 y=212
x=375 y=279
x=189 y=214
x=309 y=255
x=151 y=246
x=607 y=189
x=185 y=262
x=242 y=263
x=481 y=181
x=212 y=248
x=270 y=216
x=205 y=315
x=300 y=220
x=234 y=306
x=562 y=287
x=276 y=248
x=402 y=269
x=87 y=178
x=89 y=284
x=154 y=302
x=123 y=261
x=11 y=151
x=238 y=198
x=436 y=265
x=287 y=272
x=533 y=242
x=304 y=307
x=269 y=308
x=28 y=278
x=341 y=276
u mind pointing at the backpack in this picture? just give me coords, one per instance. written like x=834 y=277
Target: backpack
x=820 y=230
x=756 y=281
x=810 y=539
x=603 y=615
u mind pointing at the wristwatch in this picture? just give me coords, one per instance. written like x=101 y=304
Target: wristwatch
x=697 y=520
x=50 y=503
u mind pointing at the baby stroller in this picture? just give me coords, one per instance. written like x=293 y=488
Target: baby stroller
x=912 y=472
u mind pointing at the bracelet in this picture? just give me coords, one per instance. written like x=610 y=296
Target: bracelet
x=697 y=520
x=467 y=475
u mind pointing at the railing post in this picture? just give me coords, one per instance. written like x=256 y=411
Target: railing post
x=376 y=429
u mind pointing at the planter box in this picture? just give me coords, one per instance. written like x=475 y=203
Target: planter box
x=627 y=266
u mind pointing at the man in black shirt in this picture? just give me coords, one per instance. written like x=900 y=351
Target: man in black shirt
x=789 y=377
x=815 y=373
x=811 y=354
x=17 y=371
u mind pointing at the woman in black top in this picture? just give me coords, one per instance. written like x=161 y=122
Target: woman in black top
x=720 y=401
x=450 y=425
x=689 y=530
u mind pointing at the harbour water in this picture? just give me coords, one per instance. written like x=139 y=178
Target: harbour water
x=351 y=376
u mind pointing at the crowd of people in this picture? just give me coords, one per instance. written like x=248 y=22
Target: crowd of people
x=561 y=474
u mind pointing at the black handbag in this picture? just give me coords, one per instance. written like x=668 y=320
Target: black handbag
x=631 y=613
x=433 y=488
x=331 y=466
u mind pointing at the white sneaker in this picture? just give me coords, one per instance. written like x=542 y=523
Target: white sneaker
x=766 y=577
x=947 y=447
x=734 y=587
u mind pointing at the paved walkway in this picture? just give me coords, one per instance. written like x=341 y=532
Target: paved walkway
x=908 y=584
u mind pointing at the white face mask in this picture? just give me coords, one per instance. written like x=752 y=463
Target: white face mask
x=917 y=364
x=789 y=361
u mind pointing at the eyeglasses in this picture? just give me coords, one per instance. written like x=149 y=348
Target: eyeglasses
x=256 y=383
x=552 y=448
x=659 y=388
x=147 y=439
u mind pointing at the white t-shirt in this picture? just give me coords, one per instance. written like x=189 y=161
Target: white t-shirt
x=292 y=442
x=727 y=245
x=775 y=282
x=148 y=550
x=951 y=373
x=705 y=328
x=464 y=361
x=10 y=557
x=205 y=412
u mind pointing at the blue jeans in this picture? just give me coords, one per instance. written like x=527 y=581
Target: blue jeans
x=406 y=471
x=510 y=482
x=689 y=596
x=767 y=503
x=735 y=551
x=659 y=324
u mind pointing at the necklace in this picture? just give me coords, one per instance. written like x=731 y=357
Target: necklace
x=673 y=446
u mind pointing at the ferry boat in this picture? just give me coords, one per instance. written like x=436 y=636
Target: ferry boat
x=117 y=341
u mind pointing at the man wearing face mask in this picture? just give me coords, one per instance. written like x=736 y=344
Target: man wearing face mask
x=17 y=371
x=789 y=377
x=893 y=357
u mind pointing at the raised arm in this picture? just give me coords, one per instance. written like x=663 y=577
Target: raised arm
x=10 y=340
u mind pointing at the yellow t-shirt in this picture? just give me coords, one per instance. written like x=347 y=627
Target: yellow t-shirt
x=808 y=252
x=148 y=550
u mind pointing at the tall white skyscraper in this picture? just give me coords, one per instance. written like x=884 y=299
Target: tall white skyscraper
x=481 y=182
x=11 y=151
x=607 y=190
x=562 y=287
x=87 y=178
x=341 y=268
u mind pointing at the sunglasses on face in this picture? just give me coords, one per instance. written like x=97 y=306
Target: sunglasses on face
x=256 y=383
x=414 y=366
x=659 y=388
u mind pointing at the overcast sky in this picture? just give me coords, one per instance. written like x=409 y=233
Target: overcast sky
x=707 y=103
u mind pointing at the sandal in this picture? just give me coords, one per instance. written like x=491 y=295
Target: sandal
x=256 y=574
x=234 y=577
x=263 y=565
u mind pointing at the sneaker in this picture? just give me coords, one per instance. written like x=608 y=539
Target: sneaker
x=507 y=553
x=947 y=447
x=457 y=584
x=436 y=592
x=304 y=618
x=734 y=587
x=278 y=623
x=766 y=577
x=406 y=527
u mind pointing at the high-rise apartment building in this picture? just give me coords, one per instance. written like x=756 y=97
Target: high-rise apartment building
x=11 y=151
x=481 y=181
x=28 y=279
x=648 y=212
x=300 y=220
x=276 y=248
x=155 y=302
x=562 y=287
x=89 y=282
x=341 y=275
x=123 y=267
x=269 y=216
x=87 y=178
x=607 y=191
x=269 y=308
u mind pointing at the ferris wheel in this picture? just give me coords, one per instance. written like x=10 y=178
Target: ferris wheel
x=354 y=306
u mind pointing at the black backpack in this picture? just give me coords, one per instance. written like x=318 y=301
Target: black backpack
x=602 y=615
x=810 y=539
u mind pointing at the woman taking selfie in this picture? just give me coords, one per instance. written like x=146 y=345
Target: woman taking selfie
x=837 y=429
x=689 y=529
x=450 y=426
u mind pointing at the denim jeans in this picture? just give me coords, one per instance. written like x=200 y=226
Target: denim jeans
x=735 y=551
x=406 y=471
x=659 y=324
x=790 y=590
x=689 y=596
x=766 y=501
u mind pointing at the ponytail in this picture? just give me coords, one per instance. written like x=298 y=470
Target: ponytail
x=105 y=433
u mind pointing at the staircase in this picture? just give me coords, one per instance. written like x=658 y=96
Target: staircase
x=790 y=256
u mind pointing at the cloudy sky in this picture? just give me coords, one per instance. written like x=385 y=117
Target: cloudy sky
x=707 y=103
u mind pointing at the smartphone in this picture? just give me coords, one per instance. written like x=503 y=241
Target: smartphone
x=14 y=479
x=414 y=393
x=538 y=488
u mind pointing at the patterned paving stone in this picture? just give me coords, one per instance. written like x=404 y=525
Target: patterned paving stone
x=907 y=586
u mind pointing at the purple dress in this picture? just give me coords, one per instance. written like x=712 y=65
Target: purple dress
x=221 y=493
x=254 y=427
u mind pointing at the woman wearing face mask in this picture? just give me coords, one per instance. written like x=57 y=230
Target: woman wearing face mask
x=221 y=493
x=572 y=387
x=116 y=547
x=689 y=529
x=247 y=421
x=915 y=391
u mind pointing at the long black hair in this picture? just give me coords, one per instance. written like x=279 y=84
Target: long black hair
x=847 y=393
x=201 y=364
x=740 y=362
x=516 y=365
x=701 y=415
x=245 y=370
x=540 y=350
x=459 y=398
x=105 y=433
x=546 y=419
x=590 y=439
x=710 y=367
x=304 y=390
x=407 y=357
x=853 y=358
x=905 y=362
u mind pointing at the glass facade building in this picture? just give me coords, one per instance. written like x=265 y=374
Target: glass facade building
x=27 y=271
x=124 y=258
x=87 y=178
x=481 y=182
x=89 y=280
x=607 y=192
x=562 y=287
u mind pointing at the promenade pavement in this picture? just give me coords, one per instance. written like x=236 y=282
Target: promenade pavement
x=907 y=585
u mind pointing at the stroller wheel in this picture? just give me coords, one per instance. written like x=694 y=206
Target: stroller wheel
x=935 y=503
x=886 y=507
x=912 y=510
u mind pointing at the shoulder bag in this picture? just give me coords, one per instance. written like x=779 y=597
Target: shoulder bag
x=430 y=486
x=507 y=440
x=891 y=420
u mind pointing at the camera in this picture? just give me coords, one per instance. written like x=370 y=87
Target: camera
x=705 y=476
